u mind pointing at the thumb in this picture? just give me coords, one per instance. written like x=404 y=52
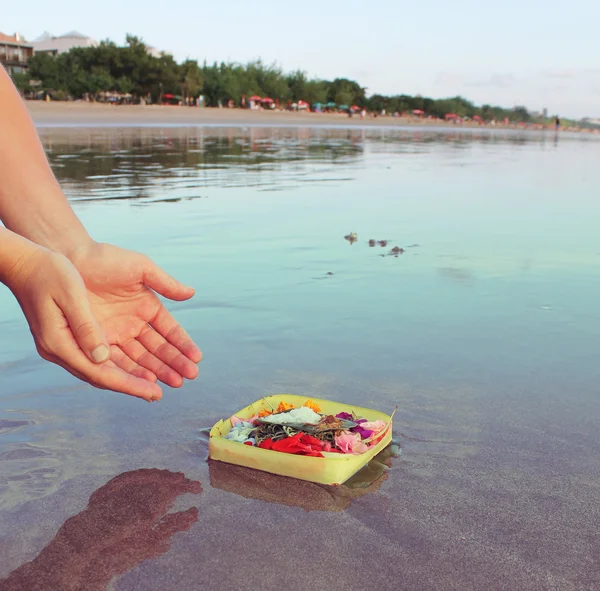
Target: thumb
x=155 y=278
x=86 y=330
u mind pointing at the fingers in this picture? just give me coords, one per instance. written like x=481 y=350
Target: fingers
x=85 y=328
x=155 y=278
x=138 y=353
x=172 y=523
x=54 y=328
x=167 y=353
x=106 y=376
x=64 y=350
x=122 y=360
x=169 y=328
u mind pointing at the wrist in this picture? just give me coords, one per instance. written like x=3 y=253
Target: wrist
x=18 y=258
x=79 y=251
x=55 y=227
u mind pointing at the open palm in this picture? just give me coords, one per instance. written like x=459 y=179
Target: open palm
x=146 y=341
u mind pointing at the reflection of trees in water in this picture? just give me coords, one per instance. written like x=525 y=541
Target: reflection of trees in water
x=128 y=164
x=181 y=162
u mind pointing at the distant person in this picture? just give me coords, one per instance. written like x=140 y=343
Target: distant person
x=557 y=123
x=92 y=308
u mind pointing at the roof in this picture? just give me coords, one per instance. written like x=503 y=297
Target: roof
x=63 y=43
x=73 y=34
x=43 y=37
x=15 y=39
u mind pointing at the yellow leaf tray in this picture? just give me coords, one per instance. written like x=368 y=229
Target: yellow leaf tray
x=333 y=469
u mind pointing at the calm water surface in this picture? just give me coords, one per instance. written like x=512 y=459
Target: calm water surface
x=484 y=331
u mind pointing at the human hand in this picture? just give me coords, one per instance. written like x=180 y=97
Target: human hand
x=126 y=522
x=146 y=341
x=55 y=302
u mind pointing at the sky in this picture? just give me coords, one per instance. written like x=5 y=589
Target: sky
x=541 y=54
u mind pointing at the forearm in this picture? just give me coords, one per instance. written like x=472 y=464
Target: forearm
x=32 y=203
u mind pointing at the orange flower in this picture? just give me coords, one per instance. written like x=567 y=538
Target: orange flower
x=312 y=405
x=283 y=406
x=264 y=413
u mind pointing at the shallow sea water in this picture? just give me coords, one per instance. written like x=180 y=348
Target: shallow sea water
x=484 y=332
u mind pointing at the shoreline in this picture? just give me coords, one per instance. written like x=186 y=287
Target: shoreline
x=81 y=114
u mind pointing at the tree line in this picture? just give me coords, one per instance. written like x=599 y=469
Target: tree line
x=132 y=70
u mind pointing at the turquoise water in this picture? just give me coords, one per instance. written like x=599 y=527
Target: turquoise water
x=484 y=331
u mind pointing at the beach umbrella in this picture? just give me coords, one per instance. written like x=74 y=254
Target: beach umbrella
x=343 y=107
x=451 y=116
x=268 y=100
x=255 y=98
x=418 y=112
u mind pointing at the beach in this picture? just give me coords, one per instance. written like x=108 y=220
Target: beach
x=79 y=113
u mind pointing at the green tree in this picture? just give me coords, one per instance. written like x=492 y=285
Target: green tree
x=346 y=92
x=21 y=81
x=191 y=78
x=132 y=69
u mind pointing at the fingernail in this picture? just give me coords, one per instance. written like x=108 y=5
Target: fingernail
x=100 y=354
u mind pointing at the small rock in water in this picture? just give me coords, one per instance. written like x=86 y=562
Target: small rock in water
x=352 y=237
x=329 y=273
x=396 y=251
x=382 y=242
x=371 y=242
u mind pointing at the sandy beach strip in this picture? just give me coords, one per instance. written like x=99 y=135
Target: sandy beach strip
x=81 y=114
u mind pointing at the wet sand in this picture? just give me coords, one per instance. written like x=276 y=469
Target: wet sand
x=485 y=339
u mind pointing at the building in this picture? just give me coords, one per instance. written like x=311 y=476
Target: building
x=15 y=52
x=153 y=51
x=48 y=43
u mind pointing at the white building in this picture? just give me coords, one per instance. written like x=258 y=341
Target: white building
x=153 y=51
x=48 y=43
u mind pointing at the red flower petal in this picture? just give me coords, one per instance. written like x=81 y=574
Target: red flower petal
x=266 y=444
x=313 y=441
